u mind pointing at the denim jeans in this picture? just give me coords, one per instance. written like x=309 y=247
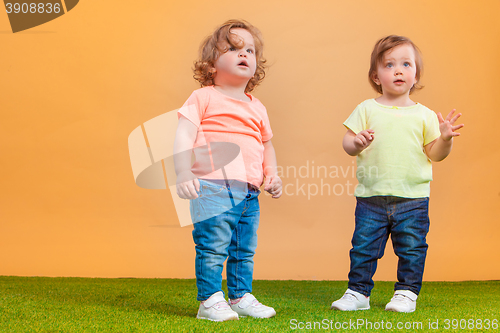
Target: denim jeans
x=231 y=235
x=407 y=221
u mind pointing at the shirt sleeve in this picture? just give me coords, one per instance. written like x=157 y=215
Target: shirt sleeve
x=266 y=132
x=357 y=120
x=431 y=128
x=194 y=108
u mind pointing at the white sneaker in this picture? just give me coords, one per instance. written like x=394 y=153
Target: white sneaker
x=248 y=305
x=351 y=301
x=216 y=309
x=402 y=301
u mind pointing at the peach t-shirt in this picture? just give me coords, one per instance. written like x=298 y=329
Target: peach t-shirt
x=230 y=135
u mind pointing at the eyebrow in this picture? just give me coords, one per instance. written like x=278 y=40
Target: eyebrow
x=247 y=45
x=392 y=59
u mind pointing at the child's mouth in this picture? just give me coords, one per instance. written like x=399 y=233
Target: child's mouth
x=243 y=64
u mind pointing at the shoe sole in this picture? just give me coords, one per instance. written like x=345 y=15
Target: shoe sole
x=257 y=317
x=272 y=314
x=394 y=310
x=217 y=320
x=335 y=308
x=262 y=317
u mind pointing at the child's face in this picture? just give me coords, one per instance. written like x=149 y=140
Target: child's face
x=237 y=65
x=396 y=73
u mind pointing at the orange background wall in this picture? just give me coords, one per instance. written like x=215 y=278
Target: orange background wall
x=74 y=88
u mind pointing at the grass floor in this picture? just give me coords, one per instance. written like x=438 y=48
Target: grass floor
x=33 y=304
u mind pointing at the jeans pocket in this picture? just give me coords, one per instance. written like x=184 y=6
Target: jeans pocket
x=213 y=200
x=210 y=189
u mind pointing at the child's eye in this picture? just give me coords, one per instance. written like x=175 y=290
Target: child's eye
x=406 y=64
x=389 y=65
x=250 y=51
x=232 y=48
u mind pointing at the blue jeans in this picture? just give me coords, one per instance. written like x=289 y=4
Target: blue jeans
x=231 y=235
x=407 y=221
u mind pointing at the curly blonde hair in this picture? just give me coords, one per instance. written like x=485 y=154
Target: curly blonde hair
x=388 y=43
x=217 y=43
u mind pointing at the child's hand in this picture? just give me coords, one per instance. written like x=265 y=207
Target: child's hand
x=448 y=131
x=273 y=185
x=363 y=139
x=187 y=185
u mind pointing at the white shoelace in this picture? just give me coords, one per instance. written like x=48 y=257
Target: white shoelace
x=256 y=303
x=221 y=306
x=349 y=297
x=401 y=298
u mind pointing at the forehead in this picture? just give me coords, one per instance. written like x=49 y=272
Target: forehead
x=405 y=51
x=244 y=34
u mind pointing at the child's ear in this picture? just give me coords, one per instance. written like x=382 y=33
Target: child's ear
x=212 y=71
x=375 y=79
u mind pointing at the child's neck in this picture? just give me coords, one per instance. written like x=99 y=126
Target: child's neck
x=402 y=100
x=235 y=92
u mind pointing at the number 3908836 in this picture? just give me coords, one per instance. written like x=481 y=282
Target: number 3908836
x=33 y=8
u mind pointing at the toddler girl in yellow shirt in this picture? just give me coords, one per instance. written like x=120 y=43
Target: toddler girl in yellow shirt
x=395 y=140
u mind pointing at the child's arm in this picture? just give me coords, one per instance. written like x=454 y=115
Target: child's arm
x=355 y=143
x=272 y=184
x=185 y=136
x=440 y=148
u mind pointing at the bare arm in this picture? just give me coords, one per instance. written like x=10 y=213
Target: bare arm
x=355 y=143
x=185 y=136
x=440 y=148
x=272 y=183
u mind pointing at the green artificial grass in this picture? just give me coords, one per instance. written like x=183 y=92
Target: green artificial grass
x=37 y=304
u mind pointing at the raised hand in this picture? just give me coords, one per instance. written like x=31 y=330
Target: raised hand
x=363 y=139
x=447 y=126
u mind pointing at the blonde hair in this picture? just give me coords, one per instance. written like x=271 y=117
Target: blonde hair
x=388 y=43
x=217 y=43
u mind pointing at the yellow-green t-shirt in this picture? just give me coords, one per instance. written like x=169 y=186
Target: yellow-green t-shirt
x=395 y=164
